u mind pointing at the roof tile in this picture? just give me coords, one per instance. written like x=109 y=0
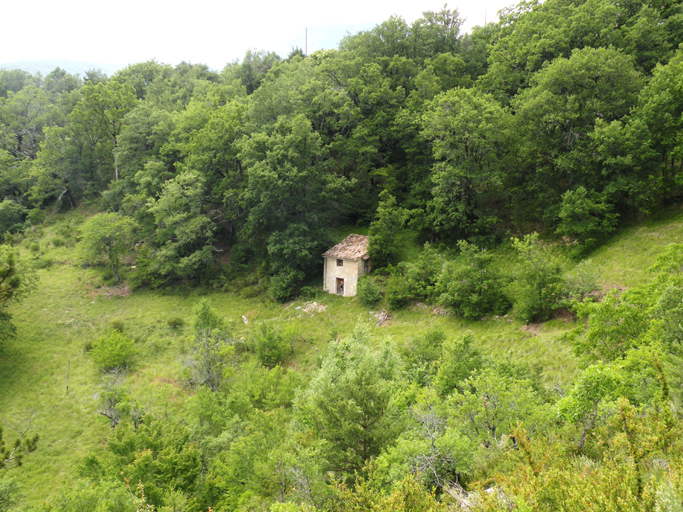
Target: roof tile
x=353 y=247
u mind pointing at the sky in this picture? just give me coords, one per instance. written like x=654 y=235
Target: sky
x=199 y=31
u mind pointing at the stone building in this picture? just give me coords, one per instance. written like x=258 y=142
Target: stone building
x=344 y=264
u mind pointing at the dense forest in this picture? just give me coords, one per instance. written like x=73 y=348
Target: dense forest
x=484 y=167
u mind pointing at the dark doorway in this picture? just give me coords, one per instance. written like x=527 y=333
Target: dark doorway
x=340 y=286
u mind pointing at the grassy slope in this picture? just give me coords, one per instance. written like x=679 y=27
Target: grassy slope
x=68 y=310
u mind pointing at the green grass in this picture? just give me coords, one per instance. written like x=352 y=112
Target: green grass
x=624 y=260
x=71 y=308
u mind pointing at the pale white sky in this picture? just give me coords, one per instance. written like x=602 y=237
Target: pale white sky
x=198 y=31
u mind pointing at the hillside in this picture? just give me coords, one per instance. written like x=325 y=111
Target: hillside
x=47 y=375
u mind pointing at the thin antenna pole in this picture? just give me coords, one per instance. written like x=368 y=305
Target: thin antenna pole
x=306 y=43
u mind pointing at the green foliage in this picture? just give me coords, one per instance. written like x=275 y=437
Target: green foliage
x=212 y=351
x=368 y=292
x=539 y=283
x=491 y=405
x=467 y=130
x=396 y=291
x=470 y=286
x=459 y=361
x=108 y=236
x=582 y=281
x=348 y=403
x=414 y=280
x=590 y=400
x=12 y=456
x=184 y=233
x=271 y=345
x=433 y=447
x=159 y=455
x=9 y=494
x=104 y=496
x=584 y=218
x=12 y=216
x=17 y=279
x=283 y=285
x=383 y=239
x=113 y=350
x=206 y=318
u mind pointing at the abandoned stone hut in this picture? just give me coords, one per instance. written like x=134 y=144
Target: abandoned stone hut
x=344 y=264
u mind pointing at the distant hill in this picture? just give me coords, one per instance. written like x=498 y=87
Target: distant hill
x=71 y=66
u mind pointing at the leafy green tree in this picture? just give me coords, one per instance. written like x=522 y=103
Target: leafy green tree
x=491 y=405
x=368 y=292
x=158 y=454
x=108 y=236
x=384 y=234
x=459 y=361
x=207 y=318
x=591 y=400
x=470 y=286
x=184 y=232
x=211 y=359
x=432 y=447
x=12 y=216
x=584 y=218
x=271 y=345
x=615 y=325
x=539 y=282
x=290 y=195
x=106 y=105
x=24 y=114
x=348 y=403
x=54 y=173
x=212 y=352
x=554 y=120
x=467 y=131
x=140 y=153
x=657 y=123
x=142 y=75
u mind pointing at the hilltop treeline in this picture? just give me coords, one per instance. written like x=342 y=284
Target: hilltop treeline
x=563 y=116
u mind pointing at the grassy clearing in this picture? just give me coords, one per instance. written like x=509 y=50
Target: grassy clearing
x=625 y=259
x=71 y=308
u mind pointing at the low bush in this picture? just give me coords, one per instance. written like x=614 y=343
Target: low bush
x=368 y=291
x=271 y=346
x=176 y=322
x=113 y=350
x=470 y=287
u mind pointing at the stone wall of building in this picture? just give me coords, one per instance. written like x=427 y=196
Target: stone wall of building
x=350 y=271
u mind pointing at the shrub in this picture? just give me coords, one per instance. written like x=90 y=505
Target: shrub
x=271 y=346
x=368 y=291
x=207 y=318
x=113 y=350
x=422 y=274
x=58 y=242
x=118 y=325
x=283 y=285
x=176 y=322
x=470 y=287
x=540 y=283
x=585 y=218
x=12 y=216
x=397 y=292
